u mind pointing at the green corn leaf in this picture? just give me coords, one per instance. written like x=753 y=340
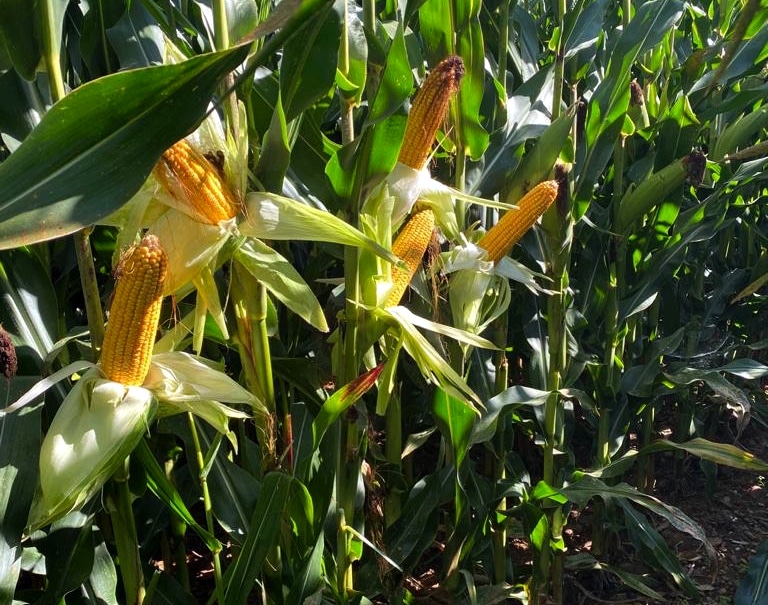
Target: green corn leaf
x=263 y=535
x=308 y=66
x=341 y=400
x=19 y=451
x=746 y=368
x=19 y=35
x=395 y=82
x=537 y=165
x=414 y=531
x=17 y=119
x=102 y=582
x=753 y=588
x=605 y=117
x=65 y=176
x=720 y=453
x=453 y=27
x=456 y=420
x=70 y=543
x=275 y=217
x=512 y=397
x=29 y=308
x=654 y=549
x=137 y=39
x=281 y=278
x=309 y=581
x=740 y=133
x=168 y=495
x=588 y=487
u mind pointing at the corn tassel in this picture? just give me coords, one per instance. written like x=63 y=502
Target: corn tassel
x=194 y=180
x=410 y=245
x=515 y=222
x=429 y=108
x=135 y=312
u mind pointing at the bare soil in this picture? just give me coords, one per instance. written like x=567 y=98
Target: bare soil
x=731 y=507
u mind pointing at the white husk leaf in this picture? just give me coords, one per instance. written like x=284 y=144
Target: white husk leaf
x=181 y=377
x=97 y=426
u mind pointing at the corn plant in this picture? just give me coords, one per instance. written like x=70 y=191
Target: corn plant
x=337 y=294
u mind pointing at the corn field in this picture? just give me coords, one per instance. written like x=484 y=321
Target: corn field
x=356 y=302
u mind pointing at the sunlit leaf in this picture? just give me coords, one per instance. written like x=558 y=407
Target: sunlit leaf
x=341 y=400
x=720 y=453
x=283 y=280
x=456 y=420
x=64 y=175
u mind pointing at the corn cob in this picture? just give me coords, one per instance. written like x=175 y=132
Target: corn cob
x=429 y=108
x=639 y=201
x=135 y=312
x=410 y=245
x=515 y=222
x=193 y=179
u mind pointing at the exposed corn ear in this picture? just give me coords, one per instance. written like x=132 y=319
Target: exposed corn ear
x=410 y=245
x=135 y=312
x=515 y=222
x=198 y=183
x=428 y=110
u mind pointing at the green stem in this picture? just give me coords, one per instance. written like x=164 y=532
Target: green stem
x=90 y=288
x=178 y=531
x=207 y=506
x=614 y=291
x=105 y=48
x=347 y=467
x=369 y=15
x=261 y=349
x=222 y=42
x=52 y=59
x=51 y=52
x=460 y=182
x=347 y=107
x=501 y=74
x=221 y=29
x=501 y=447
x=126 y=539
x=645 y=473
x=347 y=463
x=250 y=304
x=558 y=227
x=393 y=448
x=557 y=99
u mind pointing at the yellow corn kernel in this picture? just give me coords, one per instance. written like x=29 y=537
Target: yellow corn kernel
x=135 y=312
x=410 y=245
x=194 y=180
x=429 y=108
x=516 y=221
